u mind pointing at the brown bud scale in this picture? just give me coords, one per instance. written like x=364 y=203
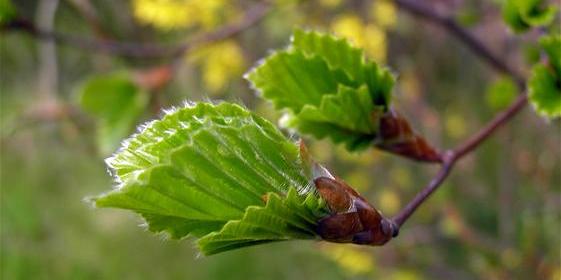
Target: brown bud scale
x=352 y=218
x=397 y=136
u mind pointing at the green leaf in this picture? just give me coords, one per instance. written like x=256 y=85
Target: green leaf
x=117 y=104
x=337 y=52
x=291 y=80
x=345 y=117
x=544 y=86
x=545 y=91
x=281 y=219
x=521 y=15
x=328 y=87
x=206 y=171
x=552 y=47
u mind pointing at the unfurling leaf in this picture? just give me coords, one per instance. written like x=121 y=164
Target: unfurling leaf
x=544 y=86
x=330 y=90
x=521 y=15
x=230 y=179
x=117 y=103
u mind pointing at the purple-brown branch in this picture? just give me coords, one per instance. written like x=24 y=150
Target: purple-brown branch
x=136 y=49
x=450 y=157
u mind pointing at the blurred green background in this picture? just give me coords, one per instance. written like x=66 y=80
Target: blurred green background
x=497 y=217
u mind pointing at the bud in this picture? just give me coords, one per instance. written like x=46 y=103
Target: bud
x=352 y=218
x=397 y=136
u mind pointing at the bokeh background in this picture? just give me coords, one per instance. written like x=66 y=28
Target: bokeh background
x=498 y=216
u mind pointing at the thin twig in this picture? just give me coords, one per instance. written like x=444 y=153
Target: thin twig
x=136 y=49
x=436 y=181
x=417 y=8
x=452 y=156
x=472 y=143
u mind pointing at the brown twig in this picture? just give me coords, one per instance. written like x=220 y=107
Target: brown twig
x=450 y=157
x=136 y=49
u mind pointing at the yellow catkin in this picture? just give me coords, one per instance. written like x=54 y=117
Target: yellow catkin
x=220 y=62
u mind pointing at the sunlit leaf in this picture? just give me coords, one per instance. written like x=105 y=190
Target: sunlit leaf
x=117 y=103
x=330 y=90
x=348 y=116
x=345 y=104
x=219 y=173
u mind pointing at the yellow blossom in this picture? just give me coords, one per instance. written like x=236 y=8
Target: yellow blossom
x=455 y=125
x=389 y=201
x=169 y=14
x=352 y=259
x=384 y=13
x=220 y=62
x=368 y=36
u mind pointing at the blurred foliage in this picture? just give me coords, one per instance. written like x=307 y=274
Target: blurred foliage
x=521 y=15
x=497 y=216
x=501 y=93
x=117 y=103
x=545 y=82
x=7 y=11
x=220 y=63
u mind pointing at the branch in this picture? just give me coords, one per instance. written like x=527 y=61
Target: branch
x=454 y=28
x=136 y=49
x=476 y=139
x=450 y=157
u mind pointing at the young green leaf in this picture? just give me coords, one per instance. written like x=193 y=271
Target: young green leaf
x=545 y=92
x=521 y=15
x=219 y=173
x=339 y=53
x=328 y=87
x=345 y=117
x=544 y=86
x=283 y=218
x=117 y=103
